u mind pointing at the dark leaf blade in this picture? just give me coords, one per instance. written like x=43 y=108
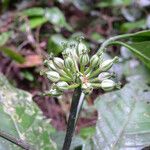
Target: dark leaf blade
x=12 y=54
x=139 y=49
x=142 y=51
x=140 y=36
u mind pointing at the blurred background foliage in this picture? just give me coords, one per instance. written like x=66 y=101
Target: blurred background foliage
x=30 y=30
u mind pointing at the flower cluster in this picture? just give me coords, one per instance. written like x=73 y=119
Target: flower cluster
x=78 y=69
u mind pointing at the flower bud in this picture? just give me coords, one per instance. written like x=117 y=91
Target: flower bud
x=62 y=85
x=108 y=85
x=84 y=59
x=95 y=61
x=69 y=63
x=107 y=64
x=81 y=48
x=53 y=76
x=104 y=75
x=58 y=62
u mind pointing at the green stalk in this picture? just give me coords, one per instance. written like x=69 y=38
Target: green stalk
x=73 y=86
x=94 y=73
x=94 y=80
x=108 y=41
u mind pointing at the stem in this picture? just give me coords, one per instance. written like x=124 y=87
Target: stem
x=94 y=73
x=108 y=41
x=14 y=140
x=72 y=118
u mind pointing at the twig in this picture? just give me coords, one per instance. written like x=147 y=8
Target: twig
x=72 y=118
x=14 y=140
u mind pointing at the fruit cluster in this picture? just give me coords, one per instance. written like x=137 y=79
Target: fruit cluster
x=78 y=69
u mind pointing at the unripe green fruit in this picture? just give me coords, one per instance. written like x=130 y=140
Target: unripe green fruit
x=62 y=85
x=108 y=85
x=53 y=76
x=95 y=61
x=84 y=59
x=69 y=63
x=58 y=62
x=107 y=64
x=81 y=48
x=104 y=75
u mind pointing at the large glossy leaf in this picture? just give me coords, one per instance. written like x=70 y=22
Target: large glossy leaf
x=142 y=51
x=21 y=118
x=124 y=117
x=140 y=36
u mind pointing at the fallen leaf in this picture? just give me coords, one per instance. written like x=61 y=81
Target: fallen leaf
x=31 y=61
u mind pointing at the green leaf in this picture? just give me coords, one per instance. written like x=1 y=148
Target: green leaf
x=55 y=44
x=4 y=37
x=83 y=5
x=56 y=17
x=27 y=75
x=33 y=12
x=38 y=16
x=124 y=117
x=59 y=139
x=142 y=51
x=12 y=54
x=114 y=3
x=128 y=26
x=87 y=132
x=21 y=118
x=140 y=36
x=33 y=23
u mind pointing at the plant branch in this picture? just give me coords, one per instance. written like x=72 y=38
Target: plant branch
x=74 y=111
x=14 y=140
x=108 y=41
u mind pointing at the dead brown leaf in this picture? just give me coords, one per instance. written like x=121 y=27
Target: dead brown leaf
x=31 y=61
